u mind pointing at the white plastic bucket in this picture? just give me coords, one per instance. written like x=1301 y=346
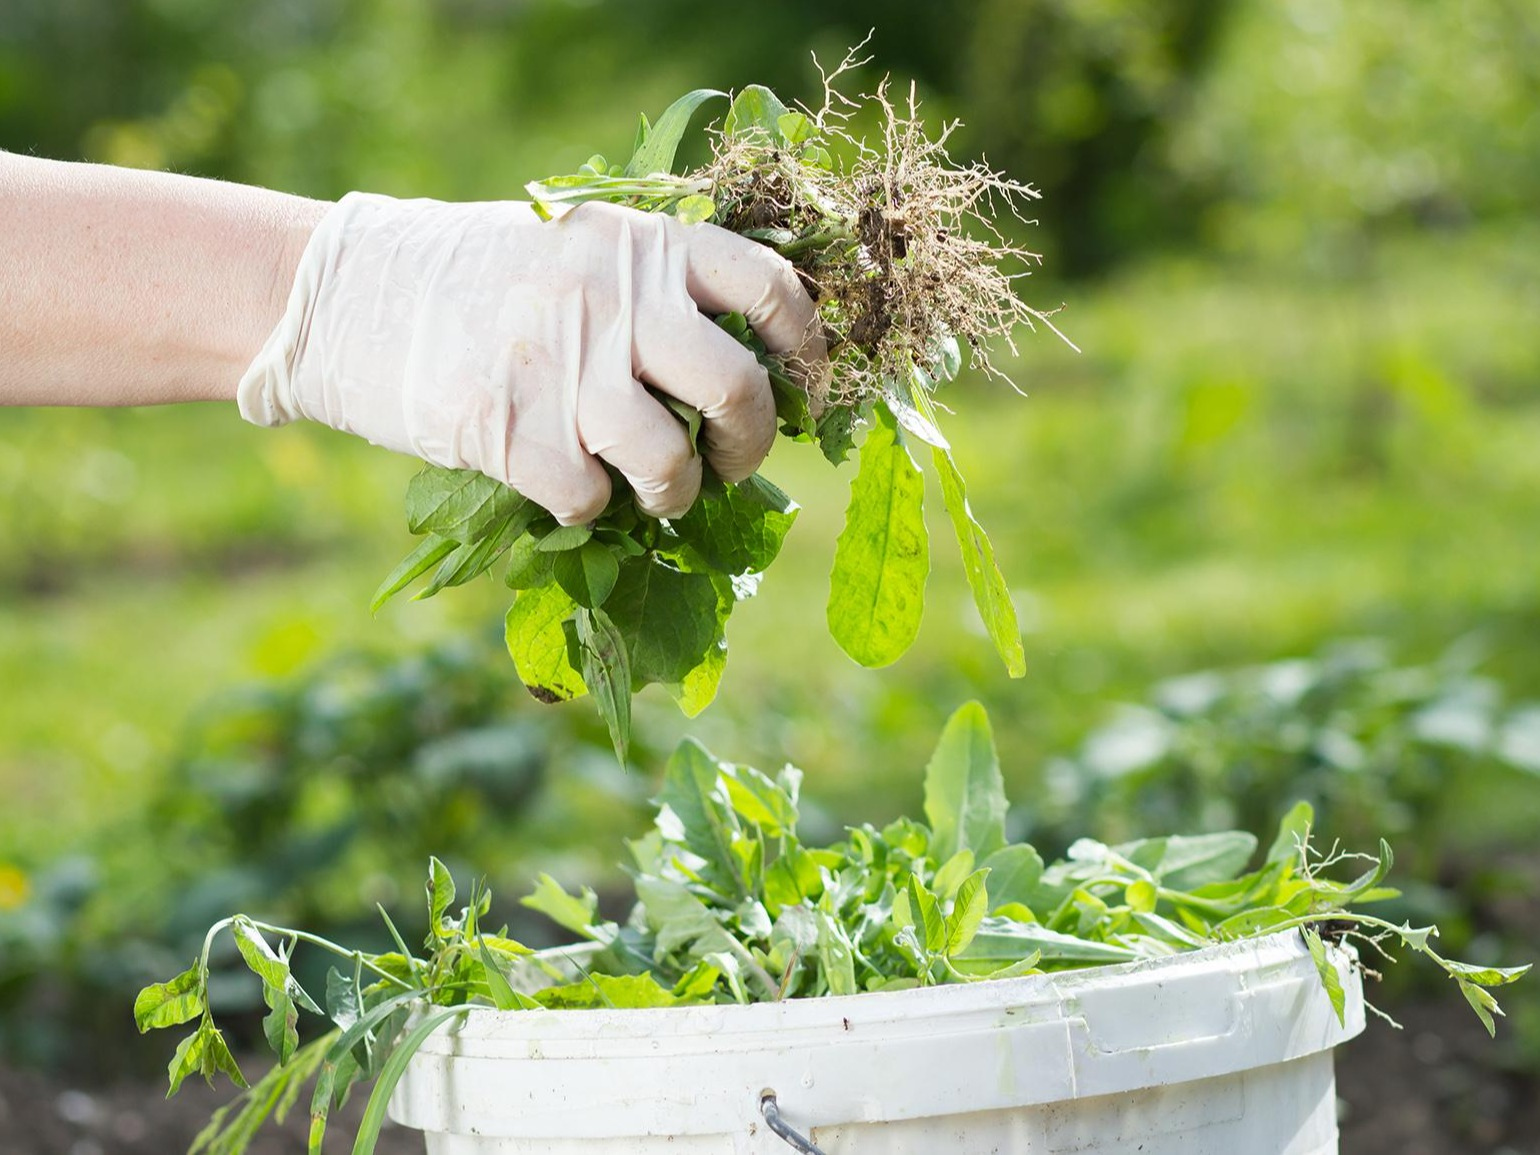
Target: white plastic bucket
x=1224 y=1051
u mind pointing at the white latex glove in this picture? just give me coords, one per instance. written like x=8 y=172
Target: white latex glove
x=478 y=336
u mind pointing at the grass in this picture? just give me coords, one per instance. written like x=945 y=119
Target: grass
x=1242 y=464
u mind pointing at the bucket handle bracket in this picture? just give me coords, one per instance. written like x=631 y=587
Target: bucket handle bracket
x=771 y=1110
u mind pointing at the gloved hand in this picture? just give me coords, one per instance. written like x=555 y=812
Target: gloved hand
x=478 y=336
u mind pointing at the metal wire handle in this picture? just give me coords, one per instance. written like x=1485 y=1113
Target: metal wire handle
x=771 y=1110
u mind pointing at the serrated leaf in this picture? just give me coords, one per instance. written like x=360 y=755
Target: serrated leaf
x=170 y=1003
x=964 y=790
x=656 y=152
x=882 y=557
x=538 y=644
x=576 y=913
x=990 y=593
x=607 y=673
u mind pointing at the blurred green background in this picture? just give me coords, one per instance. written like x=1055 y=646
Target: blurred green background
x=1297 y=243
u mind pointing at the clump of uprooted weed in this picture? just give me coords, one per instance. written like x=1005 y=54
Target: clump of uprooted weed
x=909 y=257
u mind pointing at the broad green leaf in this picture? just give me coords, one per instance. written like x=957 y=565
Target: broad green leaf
x=950 y=876
x=1330 y=979
x=167 y=1004
x=755 y=110
x=1013 y=875
x=990 y=593
x=699 y=687
x=565 y=537
x=528 y=565
x=1292 y=832
x=587 y=573
x=656 y=152
x=668 y=619
x=693 y=790
x=835 y=430
x=794 y=127
x=964 y=790
x=429 y=553
x=738 y=529
x=791 y=878
x=441 y=892
x=1191 y=861
x=968 y=911
x=694 y=209
x=576 y=913
x=882 y=557
x=538 y=644
x=607 y=673
x=1141 y=895
x=459 y=503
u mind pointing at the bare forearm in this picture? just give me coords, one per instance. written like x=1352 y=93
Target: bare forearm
x=120 y=287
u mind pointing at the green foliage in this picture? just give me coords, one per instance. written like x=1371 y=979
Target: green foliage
x=733 y=907
x=645 y=600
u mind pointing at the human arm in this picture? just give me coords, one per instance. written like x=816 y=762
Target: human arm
x=475 y=336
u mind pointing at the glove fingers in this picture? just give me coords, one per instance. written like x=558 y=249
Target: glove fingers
x=727 y=273
x=687 y=356
x=573 y=488
x=647 y=443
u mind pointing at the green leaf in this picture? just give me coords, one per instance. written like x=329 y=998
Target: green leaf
x=755 y=110
x=835 y=430
x=692 y=789
x=990 y=593
x=740 y=528
x=528 y=565
x=1292 y=833
x=432 y=550
x=607 y=672
x=694 y=209
x=1001 y=941
x=794 y=127
x=574 y=913
x=565 y=537
x=538 y=644
x=964 y=789
x=925 y=913
x=836 y=957
x=621 y=992
x=472 y=559
x=1013 y=875
x=668 y=619
x=205 y=1053
x=167 y=1004
x=882 y=557
x=699 y=687
x=1188 y=862
x=968 y=911
x=441 y=892
x=1484 y=975
x=460 y=503
x=1482 y=1002
x=504 y=997
x=587 y=573
x=760 y=800
x=1330 y=979
x=280 y=991
x=656 y=152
